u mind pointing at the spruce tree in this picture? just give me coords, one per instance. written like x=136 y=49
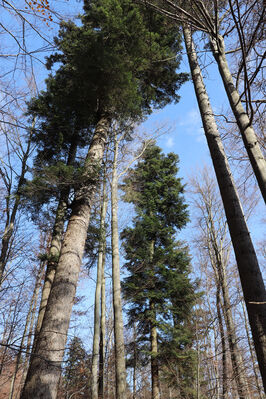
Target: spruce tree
x=119 y=64
x=158 y=289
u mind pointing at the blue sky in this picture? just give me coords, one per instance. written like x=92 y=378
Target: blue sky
x=186 y=138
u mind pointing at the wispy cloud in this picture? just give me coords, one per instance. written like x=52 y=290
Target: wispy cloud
x=191 y=124
x=169 y=142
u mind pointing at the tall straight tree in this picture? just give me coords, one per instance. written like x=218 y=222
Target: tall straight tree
x=248 y=267
x=158 y=290
x=99 y=294
x=113 y=55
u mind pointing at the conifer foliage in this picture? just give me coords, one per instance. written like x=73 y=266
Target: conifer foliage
x=158 y=289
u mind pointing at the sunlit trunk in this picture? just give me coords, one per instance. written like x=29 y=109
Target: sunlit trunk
x=118 y=320
x=45 y=367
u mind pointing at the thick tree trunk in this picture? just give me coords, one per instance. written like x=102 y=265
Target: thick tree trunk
x=250 y=274
x=96 y=335
x=55 y=247
x=155 y=387
x=117 y=305
x=247 y=132
x=45 y=367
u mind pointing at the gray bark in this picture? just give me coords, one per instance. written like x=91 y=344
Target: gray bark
x=96 y=335
x=117 y=305
x=249 y=271
x=247 y=132
x=45 y=367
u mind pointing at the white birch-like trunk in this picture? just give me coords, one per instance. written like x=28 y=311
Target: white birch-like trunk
x=118 y=320
x=45 y=367
x=249 y=271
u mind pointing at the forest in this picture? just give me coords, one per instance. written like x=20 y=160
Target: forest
x=132 y=241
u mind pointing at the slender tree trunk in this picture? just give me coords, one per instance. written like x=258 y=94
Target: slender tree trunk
x=31 y=326
x=55 y=247
x=250 y=274
x=251 y=349
x=134 y=395
x=96 y=335
x=247 y=132
x=102 y=335
x=236 y=358
x=118 y=320
x=198 y=388
x=28 y=326
x=45 y=367
x=222 y=335
x=216 y=254
x=154 y=357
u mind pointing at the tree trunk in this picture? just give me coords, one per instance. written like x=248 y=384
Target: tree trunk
x=55 y=247
x=118 y=320
x=216 y=254
x=236 y=358
x=45 y=367
x=102 y=335
x=222 y=335
x=134 y=393
x=247 y=132
x=31 y=327
x=29 y=320
x=253 y=360
x=154 y=359
x=250 y=274
x=96 y=335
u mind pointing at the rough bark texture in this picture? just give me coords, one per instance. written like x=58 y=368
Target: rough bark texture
x=45 y=367
x=118 y=320
x=247 y=132
x=250 y=274
x=96 y=335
